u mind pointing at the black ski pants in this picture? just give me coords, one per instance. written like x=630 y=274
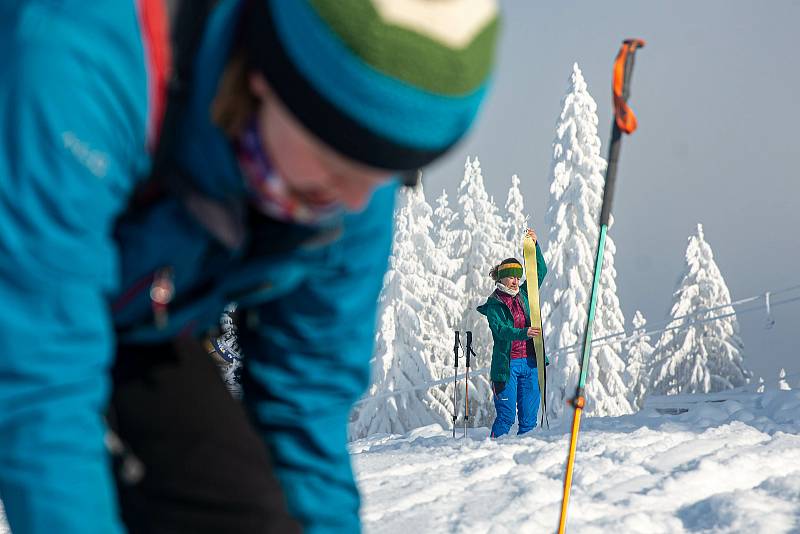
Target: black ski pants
x=190 y=461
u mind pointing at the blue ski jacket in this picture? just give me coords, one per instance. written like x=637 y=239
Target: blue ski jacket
x=74 y=143
x=75 y=116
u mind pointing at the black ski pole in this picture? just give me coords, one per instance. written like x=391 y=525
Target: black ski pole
x=467 y=353
x=455 y=384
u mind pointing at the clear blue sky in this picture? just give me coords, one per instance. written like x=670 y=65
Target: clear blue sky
x=718 y=143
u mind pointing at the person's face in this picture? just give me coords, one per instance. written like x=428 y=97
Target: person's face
x=315 y=174
x=511 y=282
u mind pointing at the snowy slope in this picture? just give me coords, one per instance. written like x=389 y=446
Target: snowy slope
x=727 y=466
x=730 y=464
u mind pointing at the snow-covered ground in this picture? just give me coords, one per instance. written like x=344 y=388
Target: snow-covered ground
x=730 y=464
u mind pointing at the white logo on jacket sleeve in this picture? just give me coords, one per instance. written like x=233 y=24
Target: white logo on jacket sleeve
x=94 y=160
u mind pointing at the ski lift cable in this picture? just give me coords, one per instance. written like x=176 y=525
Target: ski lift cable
x=606 y=340
x=766 y=294
x=573 y=347
x=682 y=326
x=696 y=313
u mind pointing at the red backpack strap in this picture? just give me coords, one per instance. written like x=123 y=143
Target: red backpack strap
x=170 y=49
x=154 y=25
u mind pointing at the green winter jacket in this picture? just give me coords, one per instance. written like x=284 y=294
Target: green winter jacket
x=501 y=323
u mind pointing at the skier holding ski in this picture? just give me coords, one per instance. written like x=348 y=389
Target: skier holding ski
x=299 y=123
x=513 y=370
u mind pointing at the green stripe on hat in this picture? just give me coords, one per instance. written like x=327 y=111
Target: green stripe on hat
x=397 y=49
x=509 y=270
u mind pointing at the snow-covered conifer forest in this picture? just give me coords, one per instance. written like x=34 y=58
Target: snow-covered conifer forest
x=438 y=274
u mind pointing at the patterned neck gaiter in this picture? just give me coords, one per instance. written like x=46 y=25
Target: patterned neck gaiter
x=269 y=192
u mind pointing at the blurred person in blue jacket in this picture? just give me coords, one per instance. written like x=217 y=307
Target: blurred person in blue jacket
x=299 y=124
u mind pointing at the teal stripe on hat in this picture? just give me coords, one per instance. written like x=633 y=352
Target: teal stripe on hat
x=388 y=106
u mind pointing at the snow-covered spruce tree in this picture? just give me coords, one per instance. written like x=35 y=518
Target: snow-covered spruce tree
x=444 y=219
x=444 y=238
x=783 y=385
x=441 y=298
x=402 y=358
x=760 y=388
x=480 y=244
x=515 y=222
x=572 y=221
x=637 y=371
x=702 y=355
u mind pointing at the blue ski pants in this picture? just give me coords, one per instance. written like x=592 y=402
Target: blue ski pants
x=521 y=392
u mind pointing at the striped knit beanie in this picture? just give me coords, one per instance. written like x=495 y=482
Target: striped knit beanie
x=509 y=268
x=389 y=83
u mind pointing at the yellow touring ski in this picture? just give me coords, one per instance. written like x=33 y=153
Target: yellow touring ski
x=532 y=280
